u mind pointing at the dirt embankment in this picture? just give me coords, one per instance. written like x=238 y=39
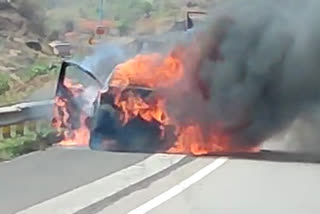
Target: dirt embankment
x=18 y=26
x=23 y=46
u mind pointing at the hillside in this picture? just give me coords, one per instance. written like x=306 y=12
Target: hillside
x=28 y=26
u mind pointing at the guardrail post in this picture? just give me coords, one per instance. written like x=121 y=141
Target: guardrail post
x=6 y=132
x=1 y=135
x=32 y=126
x=21 y=119
x=20 y=129
x=39 y=123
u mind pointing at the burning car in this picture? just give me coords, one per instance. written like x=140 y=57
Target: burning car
x=119 y=115
x=129 y=110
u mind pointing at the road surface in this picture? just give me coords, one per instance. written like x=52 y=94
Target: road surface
x=75 y=180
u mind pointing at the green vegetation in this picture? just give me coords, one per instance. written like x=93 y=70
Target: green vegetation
x=36 y=76
x=55 y=16
x=124 y=12
x=37 y=69
x=14 y=147
x=19 y=145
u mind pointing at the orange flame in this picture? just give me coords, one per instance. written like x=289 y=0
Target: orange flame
x=77 y=137
x=133 y=105
x=192 y=140
x=62 y=113
x=152 y=71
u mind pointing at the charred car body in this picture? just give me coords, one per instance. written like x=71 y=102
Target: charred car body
x=96 y=101
x=126 y=117
x=107 y=131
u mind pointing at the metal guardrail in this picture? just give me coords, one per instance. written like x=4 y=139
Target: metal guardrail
x=20 y=118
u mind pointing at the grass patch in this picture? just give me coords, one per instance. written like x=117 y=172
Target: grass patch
x=36 y=77
x=19 y=145
x=14 y=147
x=18 y=93
x=38 y=69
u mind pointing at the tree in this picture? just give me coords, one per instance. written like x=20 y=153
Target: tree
x=147 y=8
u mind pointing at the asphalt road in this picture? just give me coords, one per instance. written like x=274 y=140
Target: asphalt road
x=62 y=181
x=42 y=175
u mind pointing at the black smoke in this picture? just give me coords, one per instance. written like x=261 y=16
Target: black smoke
x=259 y=64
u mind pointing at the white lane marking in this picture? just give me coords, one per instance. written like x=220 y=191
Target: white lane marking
x=144 y=208
x=86 y=195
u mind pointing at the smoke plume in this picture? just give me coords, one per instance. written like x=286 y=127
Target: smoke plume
x=258 y=68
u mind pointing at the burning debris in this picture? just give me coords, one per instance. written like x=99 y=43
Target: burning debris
x=237 y=83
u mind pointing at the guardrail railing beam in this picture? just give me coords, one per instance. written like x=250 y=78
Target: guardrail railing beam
x=15 y=119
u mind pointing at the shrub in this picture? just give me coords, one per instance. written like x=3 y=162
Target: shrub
x=147 y=8
x=34 y=71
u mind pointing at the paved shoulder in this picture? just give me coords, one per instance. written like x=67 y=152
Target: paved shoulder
x=92 y=193
x=42 y=175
